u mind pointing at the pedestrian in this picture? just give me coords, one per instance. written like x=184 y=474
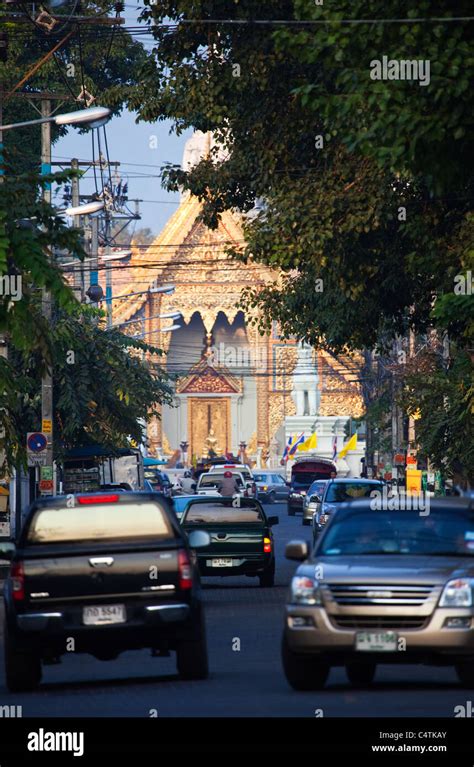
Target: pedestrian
x=228 y=486
x=188 y=483
x=333 y=475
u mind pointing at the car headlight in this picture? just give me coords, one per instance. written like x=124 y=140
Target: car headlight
x=457 y=593
x=305 y=591
x=264 y=487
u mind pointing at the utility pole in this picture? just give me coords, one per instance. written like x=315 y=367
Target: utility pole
x=108 y=271
x=93 y=278
x=46 y=471
x=75 y=201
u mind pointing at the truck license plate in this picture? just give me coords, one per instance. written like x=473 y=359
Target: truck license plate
x=376 y=641
x=99 y=615
x=221 y=562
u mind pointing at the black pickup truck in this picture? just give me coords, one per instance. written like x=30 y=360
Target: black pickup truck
x=102 y=573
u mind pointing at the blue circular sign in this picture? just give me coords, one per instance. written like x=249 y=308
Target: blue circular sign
x=37 y=442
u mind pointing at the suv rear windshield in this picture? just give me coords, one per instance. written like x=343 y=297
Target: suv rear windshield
x=449 y=533
x=98 y=522
x=349 y=491
x=209 y=513
x=317 y=488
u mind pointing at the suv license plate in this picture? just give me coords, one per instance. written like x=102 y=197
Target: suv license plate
x=221 y=563
x=376 y=641
x=103 y=614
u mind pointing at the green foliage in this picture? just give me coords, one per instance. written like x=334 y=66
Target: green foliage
x=103 y=385
x=106 y=62
x=98 y=397
x=444 y=398
x=330 y=212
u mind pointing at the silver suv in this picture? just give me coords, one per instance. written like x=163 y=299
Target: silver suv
x=335 y=493
x=382 y=586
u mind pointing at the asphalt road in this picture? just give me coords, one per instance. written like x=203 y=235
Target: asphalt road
x=243 y=682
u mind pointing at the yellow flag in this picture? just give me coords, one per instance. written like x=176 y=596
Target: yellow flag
x=351 y=445
x=303 y=446
x=309 y=444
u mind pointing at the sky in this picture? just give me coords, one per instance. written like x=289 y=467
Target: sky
x=133 y=146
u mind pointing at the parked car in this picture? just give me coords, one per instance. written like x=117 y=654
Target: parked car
x=312 y=498
x=382 y=586
x=339 y=491
x=271 y=487
x=208 y=484
x=304 y=472
x=241 y=538
x=84 y=572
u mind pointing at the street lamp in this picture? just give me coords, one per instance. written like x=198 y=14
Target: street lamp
x=169 y=289
x=162 y=330
x=94 y=117
x=168 y=316
x=85 y=210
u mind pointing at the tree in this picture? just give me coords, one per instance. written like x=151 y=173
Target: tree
x=102 y=384
x=363 y=184
x=373 y=230
x=94 y=57
x=103 y=388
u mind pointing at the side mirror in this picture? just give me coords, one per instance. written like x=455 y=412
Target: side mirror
x=198 y=539
x=7 y=550
x=272 y=521
x=297 y=550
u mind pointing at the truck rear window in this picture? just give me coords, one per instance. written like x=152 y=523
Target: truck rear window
x=99 y=522
x=213 y=480
x=212 y=513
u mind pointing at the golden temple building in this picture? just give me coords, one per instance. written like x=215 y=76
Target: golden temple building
x=232 y=386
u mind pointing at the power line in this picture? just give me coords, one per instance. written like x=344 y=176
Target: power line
x=323 y=22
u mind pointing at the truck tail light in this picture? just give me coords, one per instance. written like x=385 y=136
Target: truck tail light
x=267 y=546
x=185 y=571
x=85 y=499
x=17 y=574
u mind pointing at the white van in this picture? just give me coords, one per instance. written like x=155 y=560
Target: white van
x=209 y=482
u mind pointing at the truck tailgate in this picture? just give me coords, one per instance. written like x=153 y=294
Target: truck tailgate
x=246 y=538
x=66 y=576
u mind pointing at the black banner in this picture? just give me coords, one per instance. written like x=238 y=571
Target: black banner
x=92 y=741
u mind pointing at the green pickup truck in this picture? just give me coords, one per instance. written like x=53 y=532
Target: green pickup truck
x=241 y=537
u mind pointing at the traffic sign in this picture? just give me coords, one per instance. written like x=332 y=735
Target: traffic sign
x=46 y=485
x=36 y=460
x=36 y=442
x=46 y=426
